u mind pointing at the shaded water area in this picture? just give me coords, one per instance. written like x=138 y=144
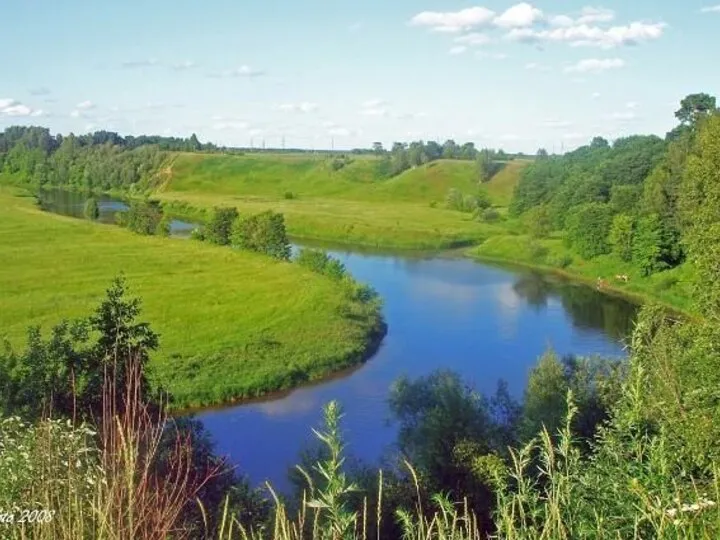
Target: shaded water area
x=72 y=204
x=486 y=322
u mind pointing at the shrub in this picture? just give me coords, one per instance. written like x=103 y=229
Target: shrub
x=489 y=215
x=587 y=229
x=263 y=233
x=143 y=217
x=218 y=229
x=289 y=195
x=320 y=262
x=92 y=211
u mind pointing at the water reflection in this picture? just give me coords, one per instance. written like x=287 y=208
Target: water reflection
x=485 y=322
x=72 y=204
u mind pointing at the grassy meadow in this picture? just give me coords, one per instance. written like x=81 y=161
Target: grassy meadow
x=231 y=324
x=350 y=205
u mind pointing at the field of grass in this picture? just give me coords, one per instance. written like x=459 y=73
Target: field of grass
x=231 y=324
x=352 y=205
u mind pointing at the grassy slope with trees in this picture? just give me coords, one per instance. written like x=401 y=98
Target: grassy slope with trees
x=233 y=324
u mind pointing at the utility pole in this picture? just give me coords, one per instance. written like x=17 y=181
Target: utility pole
x=283 y=142
x=263 y=144
x=252 y=147
x=332 y=144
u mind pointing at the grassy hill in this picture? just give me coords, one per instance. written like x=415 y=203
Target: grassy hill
x=231 y=323
x=353 y=204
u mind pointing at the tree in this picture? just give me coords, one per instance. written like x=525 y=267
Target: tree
x=219 y=228
x=539 y=221
x=695 y=106
x=416 y=154
x=625 y=199
x=621 y=236
x=377 y=148
x=545 y=397
x=587 y=229
x=143 y=217
x=320 y=262
x=700 y=210
x=264 y=233
x=450 y=149
x=542 y=153
x=650 y=245
x=599 y=143
x=91 y=209
x=483 y=164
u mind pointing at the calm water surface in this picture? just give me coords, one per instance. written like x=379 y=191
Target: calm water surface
x=72 y=203
x=485 y=322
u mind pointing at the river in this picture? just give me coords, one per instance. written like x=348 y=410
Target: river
x=487 y=323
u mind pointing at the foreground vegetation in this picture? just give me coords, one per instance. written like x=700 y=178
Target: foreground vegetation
x=233 y=324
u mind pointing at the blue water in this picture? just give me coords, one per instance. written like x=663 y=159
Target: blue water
x=485 y=322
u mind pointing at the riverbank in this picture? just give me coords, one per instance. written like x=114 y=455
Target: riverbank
x=502 y=243
x=232 y=324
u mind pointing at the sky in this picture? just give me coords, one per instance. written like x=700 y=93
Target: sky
x=343 y=74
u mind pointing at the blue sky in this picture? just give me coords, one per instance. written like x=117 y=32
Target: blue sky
x=501 y=74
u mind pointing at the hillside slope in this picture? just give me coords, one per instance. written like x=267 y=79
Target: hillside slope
x=353 y=204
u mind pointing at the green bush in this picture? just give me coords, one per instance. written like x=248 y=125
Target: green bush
x=264 y=233
x=91 y=210
x=220 y=225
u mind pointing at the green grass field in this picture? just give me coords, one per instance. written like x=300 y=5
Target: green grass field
x=231 y=324
x=351 y=205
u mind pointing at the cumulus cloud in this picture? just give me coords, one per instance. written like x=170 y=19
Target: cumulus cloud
x=339 y=132
x=490 y=55
x=85 y=105
x=454 y=21
x=458 y=49
x=595 y=65
x=373 y=103
x=624 y=116
x=133 y=64
x=592 y=36
x=374 y=111
x=303 y=107
x=595 y=95
x=519 y=16
x=588 y=15
x=244 y=71
x=534 y=66
x=182 y=66
x=711 y=9
x=473 y=38
x=12 y=107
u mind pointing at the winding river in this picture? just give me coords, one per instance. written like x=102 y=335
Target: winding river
x=488 y=323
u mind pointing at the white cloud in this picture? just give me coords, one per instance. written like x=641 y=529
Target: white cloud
x=492 y=56
x=595 y=95
x=131 y=64
x=454 y=21
x=187 y=64
x=588 y=15
x=304 y=107
x=85 y=105
x=595 y=65
x=631 y=105
x=592 y=36
x=573 y=136
x=519 y=16
x=509 y=137
x=534 y=66
x=474 y=38
x=12 y=107
x=458 y=49
x=596 y=15
x=374 y=112
x=711 y=9
x=355 y=27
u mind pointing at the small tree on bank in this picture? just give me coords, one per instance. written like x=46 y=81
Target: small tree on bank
x=92 y=211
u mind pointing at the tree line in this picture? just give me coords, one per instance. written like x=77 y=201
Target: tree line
x=634 y=198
